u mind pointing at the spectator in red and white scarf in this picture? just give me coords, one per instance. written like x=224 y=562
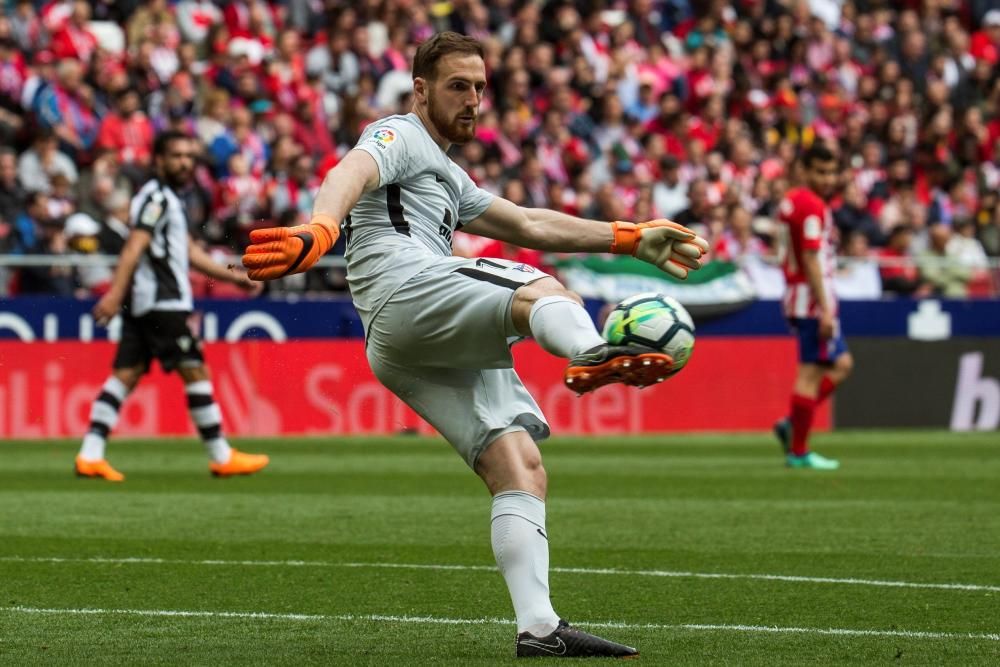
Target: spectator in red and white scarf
x=74 y=39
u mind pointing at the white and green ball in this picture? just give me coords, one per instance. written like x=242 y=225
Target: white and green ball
x=653 y=320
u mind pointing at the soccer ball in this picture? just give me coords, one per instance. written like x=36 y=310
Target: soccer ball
x=656 y=321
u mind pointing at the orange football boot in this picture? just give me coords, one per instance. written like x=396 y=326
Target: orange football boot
x=239 y=463
x=633 y=365
x=101 y=468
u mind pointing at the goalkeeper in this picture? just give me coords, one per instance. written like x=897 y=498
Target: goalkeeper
x=439 y=327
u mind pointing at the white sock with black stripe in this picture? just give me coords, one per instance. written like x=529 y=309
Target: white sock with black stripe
x=207 y=418
x=562 y=327
x=103 y=418
x=521 y=549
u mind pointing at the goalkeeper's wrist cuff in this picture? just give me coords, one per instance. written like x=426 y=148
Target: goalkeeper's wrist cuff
x=625 y=237
x=330 y=230
x=326 y=221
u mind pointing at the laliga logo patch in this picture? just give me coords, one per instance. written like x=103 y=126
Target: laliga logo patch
x=523 y=267
x=383 y=137
x=813 y=228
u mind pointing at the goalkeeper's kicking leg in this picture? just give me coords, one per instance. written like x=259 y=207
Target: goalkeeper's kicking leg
x=555 y=317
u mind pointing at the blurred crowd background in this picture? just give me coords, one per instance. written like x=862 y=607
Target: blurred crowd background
x=626 y=110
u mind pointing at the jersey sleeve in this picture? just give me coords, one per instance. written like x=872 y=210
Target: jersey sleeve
x=804 y=217
x=388 y=144
x=812 y=224
x=152 y=212
x=473 y=201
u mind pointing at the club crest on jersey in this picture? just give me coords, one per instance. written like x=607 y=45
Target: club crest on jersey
x=813 y=227
x=152 y=211
x=382 y=137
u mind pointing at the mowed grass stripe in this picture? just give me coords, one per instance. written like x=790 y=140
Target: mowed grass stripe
x=435 y=620
x=707 y=530
x=851 y=581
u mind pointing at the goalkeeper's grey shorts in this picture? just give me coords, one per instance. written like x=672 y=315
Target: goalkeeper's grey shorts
x=442 y=344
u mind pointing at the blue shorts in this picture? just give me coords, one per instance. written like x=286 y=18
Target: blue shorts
x=812 y=348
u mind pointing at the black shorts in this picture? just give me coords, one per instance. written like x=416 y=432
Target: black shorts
x=161 y=335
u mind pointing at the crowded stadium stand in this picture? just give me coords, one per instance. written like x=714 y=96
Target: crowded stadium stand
x=609 y=110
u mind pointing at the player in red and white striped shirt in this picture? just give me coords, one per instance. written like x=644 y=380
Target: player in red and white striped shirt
x=807 y=252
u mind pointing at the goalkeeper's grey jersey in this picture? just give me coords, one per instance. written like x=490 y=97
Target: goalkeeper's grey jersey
x=405 y=225
x=161 y=279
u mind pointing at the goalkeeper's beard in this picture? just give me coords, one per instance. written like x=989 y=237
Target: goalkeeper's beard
x=451 y=128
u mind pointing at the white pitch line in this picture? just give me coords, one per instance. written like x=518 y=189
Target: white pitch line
x=702 y=575
x=850 y=581
x=437 y=620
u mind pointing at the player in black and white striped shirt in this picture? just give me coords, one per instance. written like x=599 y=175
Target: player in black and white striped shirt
x=152 y=289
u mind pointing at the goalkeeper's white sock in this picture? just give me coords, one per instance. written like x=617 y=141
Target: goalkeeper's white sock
x=562 y=327
x=521 y=547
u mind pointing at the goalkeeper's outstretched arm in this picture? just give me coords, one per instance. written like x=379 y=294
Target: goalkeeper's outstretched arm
x=673 y=248
x=353 y=176
x=279 y=251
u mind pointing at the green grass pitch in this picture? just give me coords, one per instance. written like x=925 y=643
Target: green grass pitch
x=695 y=549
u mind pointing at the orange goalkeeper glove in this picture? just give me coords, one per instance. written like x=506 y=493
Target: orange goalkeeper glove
x=279 y=251
x=673 y=248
